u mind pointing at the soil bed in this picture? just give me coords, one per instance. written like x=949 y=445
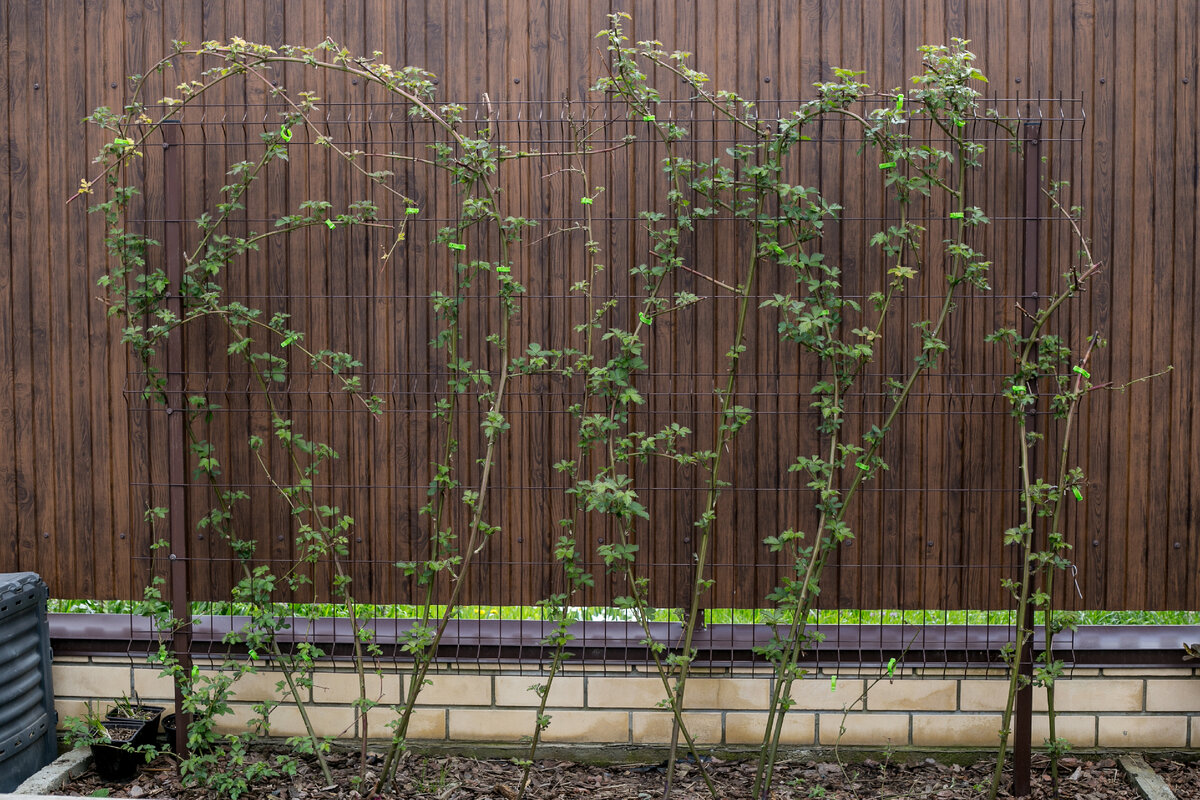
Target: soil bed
x=461 y=778
x=1183 y=778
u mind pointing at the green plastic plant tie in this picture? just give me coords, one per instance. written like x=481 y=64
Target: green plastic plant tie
x=1081 y=371
x=648 y=118
x=859 y=463
x=587 y=201
x=833 y=684
x=285 y=133
x=412 y=210
x=956 y=215
x=457 y=246
x=887 y=165
x=646 y=318
x=253 y=655
x=891 y=667
x=1018 y=389
x=1078 y=494
x=503 y=269
x=330 y=224
x=123 y=142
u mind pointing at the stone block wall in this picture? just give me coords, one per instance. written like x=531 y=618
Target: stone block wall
x=1104 y=708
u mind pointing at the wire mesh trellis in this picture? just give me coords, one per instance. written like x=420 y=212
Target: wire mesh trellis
x=928 y=530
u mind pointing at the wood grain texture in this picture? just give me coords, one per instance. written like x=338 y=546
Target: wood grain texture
x=81 y=458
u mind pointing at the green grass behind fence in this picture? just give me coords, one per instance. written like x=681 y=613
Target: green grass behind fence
x=600 y=613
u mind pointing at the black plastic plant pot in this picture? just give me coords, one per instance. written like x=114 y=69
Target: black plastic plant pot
x=149 y=715
x=114 y=763
x=168 y=726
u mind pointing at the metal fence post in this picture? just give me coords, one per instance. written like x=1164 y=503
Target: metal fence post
x=176 y=414
x=1023 y=725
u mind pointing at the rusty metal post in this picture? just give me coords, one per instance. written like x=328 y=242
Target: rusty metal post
x=1023 y=723
x=181 y=641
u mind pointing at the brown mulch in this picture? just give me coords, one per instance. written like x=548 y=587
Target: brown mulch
x=461 y=778
x=1183 y=778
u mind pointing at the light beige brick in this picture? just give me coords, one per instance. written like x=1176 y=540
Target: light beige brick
x=343 y=687
x=822 y=695
x=1167 y=695
x=336 y=721
x=624 y=692
x=1080 y=731
x=880 y=730
x=970 y=672
x=983 y=695
x=607 y=727
x=425 y=723
x=913 y=695
x=91 y=681
x=254 y=687
x=1146 y=672
x=945 y=730
x=654 y=727
x=1103 y=694
x=1086 y=694
x=151 y=684
x=119 y=661
x=490 y=725
x=726 y=693
x=456 y=690
x=747 y=728
x=700 y=693
x=513 y=690
x=1143 y=731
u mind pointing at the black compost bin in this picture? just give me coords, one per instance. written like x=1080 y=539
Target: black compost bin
x=27 y=717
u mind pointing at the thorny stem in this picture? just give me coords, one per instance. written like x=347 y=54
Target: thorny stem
x=579 y=133
x=276 y=651
x=473 y=545
x=342 y=584
x=786 y=672
x=1075 y=282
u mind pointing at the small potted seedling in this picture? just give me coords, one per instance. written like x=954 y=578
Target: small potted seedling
x=112 y=741
x=127 y=708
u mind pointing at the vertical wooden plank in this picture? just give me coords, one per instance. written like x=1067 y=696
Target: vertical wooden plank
x=1126 y=111
x=67 y=107
x=779 y=423
x=1098 y=64
x=11 y=548
x=375 y=527
x=1183 y=579
x=544 y=406
x=30 y=312
x=892 y=45
x=1157 y=553
x=874 y=505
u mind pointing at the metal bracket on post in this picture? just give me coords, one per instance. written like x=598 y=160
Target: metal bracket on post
x=181 y=641
x=1023 y=723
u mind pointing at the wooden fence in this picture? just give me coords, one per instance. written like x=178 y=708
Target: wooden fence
x=80 y=458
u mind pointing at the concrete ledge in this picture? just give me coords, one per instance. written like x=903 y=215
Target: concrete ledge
x=56 y=774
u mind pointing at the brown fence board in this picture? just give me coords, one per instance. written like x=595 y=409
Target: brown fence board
x=8 y=468
x=81 y=460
